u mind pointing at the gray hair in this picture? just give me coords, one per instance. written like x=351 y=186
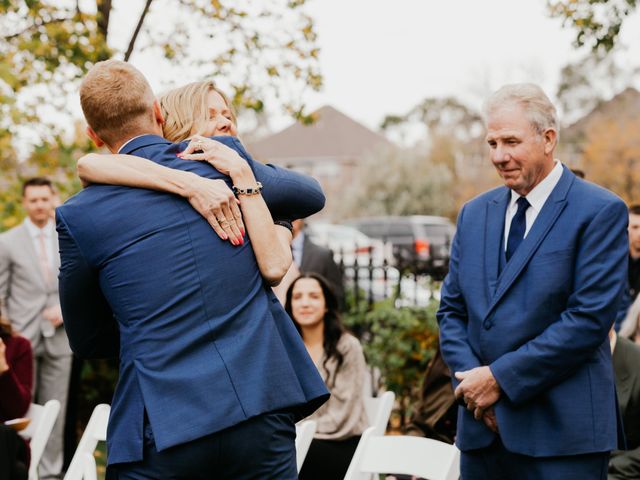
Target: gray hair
x=539 y=110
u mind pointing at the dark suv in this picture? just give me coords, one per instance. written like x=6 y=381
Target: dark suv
x=420 y=243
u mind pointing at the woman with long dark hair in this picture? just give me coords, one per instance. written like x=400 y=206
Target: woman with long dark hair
x=338 y=355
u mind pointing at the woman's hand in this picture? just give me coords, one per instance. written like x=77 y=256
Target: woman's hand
x=215 y=201
x=224 y=159
x=4 y=366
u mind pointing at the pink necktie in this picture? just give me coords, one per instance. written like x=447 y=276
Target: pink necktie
x=44 y=260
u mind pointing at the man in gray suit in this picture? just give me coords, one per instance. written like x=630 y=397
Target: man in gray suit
x=29 y=264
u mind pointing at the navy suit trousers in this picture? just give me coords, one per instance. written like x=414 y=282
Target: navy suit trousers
x=495 y=462
x=262 y=447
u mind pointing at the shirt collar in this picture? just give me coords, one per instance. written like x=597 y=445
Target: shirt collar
x=538 y=196
x=129 y=141
x=34 y=230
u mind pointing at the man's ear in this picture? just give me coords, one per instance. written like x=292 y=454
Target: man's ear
x=550 y=140
x=94 y=137
x=157 y=112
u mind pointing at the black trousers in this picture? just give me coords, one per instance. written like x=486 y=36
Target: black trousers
x=328 y=459
x=14 y=456
x=260 y=448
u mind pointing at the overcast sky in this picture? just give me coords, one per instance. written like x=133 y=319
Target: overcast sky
x=380 y=57
x=384 y=57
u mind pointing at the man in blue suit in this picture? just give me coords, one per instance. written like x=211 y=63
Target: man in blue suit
x=213 y=373
x=537 y=270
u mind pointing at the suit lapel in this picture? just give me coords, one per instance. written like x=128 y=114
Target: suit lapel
x=543 y=223
x=494 y=230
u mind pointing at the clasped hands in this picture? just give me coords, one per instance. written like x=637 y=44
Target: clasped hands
x=479 y=390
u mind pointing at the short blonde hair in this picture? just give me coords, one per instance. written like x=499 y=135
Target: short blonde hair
x=185 y=110
x=117 y=101
x=539 y=110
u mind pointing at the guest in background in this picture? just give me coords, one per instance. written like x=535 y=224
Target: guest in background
x=16 y=380
x=634 y=251
x=338 y=355
x=312 y=258
x=29 y=264
x=625 y=464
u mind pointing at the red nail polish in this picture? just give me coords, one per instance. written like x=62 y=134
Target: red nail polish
x=242 y=241
x=242 y=231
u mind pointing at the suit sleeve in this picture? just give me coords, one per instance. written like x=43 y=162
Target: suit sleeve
x=452 y=315
x=92 y=330
x=289 y=195
x=568 y=343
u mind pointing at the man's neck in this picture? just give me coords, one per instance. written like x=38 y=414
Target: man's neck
x=39 y=224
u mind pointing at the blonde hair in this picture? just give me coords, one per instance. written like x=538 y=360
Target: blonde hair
x=117 y=101
x=185 y=110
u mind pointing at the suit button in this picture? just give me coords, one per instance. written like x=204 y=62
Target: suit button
x=487 y=324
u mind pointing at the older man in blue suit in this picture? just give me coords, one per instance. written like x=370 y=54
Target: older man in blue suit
x=537 y=270
x=213 y=373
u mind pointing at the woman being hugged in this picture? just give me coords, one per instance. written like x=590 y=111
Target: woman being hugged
x=338 y=356
x=193 y=113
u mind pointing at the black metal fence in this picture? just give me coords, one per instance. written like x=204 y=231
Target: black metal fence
x=371 y=278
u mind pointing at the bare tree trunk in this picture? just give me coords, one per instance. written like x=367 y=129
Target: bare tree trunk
x=137 y=31
x=104 y=10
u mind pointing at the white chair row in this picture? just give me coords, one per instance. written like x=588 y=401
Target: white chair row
x=43 y=418
x=376 y=453
x=402 y=454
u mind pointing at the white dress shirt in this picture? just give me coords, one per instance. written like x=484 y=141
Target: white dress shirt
x=47 y=231
x=536 y=198
x=296 y=248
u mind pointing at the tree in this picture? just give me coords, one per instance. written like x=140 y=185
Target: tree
x=611 y=155
x=399 y=182
x=597 y=22
x=47 y=46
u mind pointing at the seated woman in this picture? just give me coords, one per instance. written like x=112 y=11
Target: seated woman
x=338 y=355
x=16 y=380
x=196 y=111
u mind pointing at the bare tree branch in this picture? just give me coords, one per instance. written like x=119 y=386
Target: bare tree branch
x=137 y=31
x=104 y=10
x=37 y=25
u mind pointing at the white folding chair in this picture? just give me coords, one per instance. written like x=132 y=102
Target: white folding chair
x=43 y=418
x=83 y=465
x=379 y=411
x=305 y=430
x=406 y=455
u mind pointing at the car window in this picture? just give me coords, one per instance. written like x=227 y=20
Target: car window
x=435 y=232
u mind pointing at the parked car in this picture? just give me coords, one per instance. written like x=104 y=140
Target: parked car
x=347 y=243
x=420 y=243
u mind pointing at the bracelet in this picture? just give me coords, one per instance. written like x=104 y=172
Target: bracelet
x=247 y=191
x=284 y=223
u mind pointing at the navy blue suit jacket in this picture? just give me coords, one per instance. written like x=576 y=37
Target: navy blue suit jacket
x=540 y=323
x=203 y=342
